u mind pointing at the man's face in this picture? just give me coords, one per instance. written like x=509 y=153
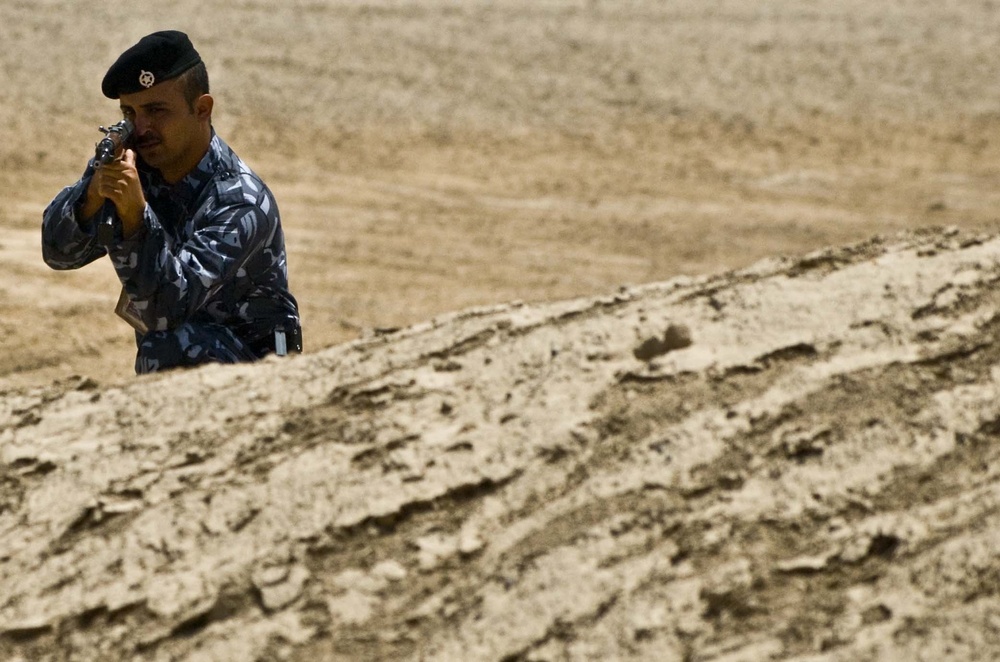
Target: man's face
x=169 y=134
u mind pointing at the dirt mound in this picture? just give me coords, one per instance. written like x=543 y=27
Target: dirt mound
x=794 y=461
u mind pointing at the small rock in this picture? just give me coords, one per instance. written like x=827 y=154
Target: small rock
x=736 y=575
x=390 y=570
x=181 y=597
x=270 y=575
x=470 y=542
x=434 y=549
x=121 y=507
x=802 y=564
x=677 y=336
x=351 y=607
x=360 y=581
x=878 y=613
x=280 y=595
x=86 y=384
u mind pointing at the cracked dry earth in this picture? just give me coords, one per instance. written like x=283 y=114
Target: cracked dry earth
x=796 y=461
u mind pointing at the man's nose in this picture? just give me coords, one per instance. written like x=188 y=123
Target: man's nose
x=142 y=124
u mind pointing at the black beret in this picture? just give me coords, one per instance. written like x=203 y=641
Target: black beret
x=156 y=58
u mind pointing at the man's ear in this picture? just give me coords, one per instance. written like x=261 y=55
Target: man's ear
x=203 y=107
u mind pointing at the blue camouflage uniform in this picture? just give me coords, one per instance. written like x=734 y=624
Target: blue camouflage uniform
x=207 y=274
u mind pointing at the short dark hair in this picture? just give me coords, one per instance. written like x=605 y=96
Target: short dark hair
x=195 y=82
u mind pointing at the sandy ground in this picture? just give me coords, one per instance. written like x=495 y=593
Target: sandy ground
x=546 y=201
x=797 y=461
x=428 y=156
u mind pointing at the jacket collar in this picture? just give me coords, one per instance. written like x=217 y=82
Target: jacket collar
x=190 y=187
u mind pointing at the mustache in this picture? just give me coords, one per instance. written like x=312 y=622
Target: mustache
x=147 y=139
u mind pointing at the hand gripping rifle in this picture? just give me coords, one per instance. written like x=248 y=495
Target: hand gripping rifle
x=116 y=140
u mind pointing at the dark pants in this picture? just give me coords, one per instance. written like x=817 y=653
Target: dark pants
x=190 y=344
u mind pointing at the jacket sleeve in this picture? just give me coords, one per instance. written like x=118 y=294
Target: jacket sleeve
x=66 y=244
x=169 y=283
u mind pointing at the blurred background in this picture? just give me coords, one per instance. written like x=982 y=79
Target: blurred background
x=429 y=156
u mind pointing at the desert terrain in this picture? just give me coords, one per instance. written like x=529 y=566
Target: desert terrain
x=634 y=330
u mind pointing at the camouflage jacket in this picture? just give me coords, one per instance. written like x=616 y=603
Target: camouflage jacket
x=211 y=249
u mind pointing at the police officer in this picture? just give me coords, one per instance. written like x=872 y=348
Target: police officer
x=200 y=252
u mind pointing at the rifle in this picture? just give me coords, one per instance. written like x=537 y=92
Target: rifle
x=116 y=139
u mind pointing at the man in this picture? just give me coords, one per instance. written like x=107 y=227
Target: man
x=201 y=253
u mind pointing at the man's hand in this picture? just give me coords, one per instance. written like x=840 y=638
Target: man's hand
x=119 y=182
